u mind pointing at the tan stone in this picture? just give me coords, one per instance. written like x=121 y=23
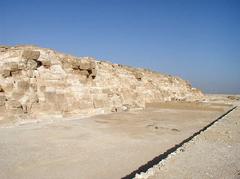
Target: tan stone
x=3 y=48
x=15 y=73
x=85 y=65
x=12 y=66
x=32 y=64
x=33 y=86
x=93 y=72
x=13 y=104
x=138 y=75
x=42 y=88
x=2 y=100
x=75 y=64
x=85 y=104
x=50 y=96
x=6 y=73
x=21 y=66
x=23 y=85
x=1 y=89
x=107 y=91
x=46 y=63
x=7 y=87
x=17 y=94
x=84 y=72
x=30 y=55
x=98 y=103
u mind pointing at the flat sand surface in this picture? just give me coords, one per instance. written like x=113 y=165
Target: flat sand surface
x=103 y=146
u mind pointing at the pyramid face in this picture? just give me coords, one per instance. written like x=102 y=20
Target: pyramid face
x=36 y=81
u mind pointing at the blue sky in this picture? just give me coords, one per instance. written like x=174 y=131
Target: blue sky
x=198 y=40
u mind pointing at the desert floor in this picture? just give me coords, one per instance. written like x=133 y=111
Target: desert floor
x=215 y=153
x=114 y=145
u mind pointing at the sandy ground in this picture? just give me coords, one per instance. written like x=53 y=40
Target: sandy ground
x=104 y=146
x=215 y=153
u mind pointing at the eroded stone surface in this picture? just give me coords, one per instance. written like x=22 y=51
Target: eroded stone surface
x=38 y=81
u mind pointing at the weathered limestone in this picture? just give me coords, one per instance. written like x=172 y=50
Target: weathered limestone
x=30 y=54
x=38 y=81
x=2 y=100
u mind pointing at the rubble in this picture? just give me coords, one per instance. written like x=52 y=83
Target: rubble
x=40 y=81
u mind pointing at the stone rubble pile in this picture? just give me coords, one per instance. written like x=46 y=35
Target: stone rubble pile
x=36 y=81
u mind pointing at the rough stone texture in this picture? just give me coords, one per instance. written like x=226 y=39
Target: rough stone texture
x=30 y=54
x=40 y=81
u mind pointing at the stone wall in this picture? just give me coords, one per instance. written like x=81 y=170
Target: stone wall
x=36 y=81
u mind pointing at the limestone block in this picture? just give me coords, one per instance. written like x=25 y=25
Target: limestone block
x=46 y=63
x=67 y=66
x=3 y=48
x=85 y=65
x=94 y=72
x=33 y=86
x=61 y=102
x=1 y=89
x=7 y=86
x=27 y=101
x=32 y=64
x=29 y=73
x=6 y=73
x=17 y=94
x=2 y=100
x=23 y=85
x=50 y=96
x=35 y=74
x=83 y=79
x=98 y=103
x=50 y=88
x=93 y=65
x=15 y=74
x=138 y=75
x=84 y=72
x=30 y=54
x=85 y=104
x=22 y=66
x=75 y=65
x=33 y=80
x=108 y=91
x=116 y=109
x=3 y=112
x=13 y=66
x=57 y=69
x=42 y=88
x=13 y=104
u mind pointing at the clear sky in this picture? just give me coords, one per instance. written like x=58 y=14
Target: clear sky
x=198 y=40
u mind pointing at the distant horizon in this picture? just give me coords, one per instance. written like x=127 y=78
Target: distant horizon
x=197 y=41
